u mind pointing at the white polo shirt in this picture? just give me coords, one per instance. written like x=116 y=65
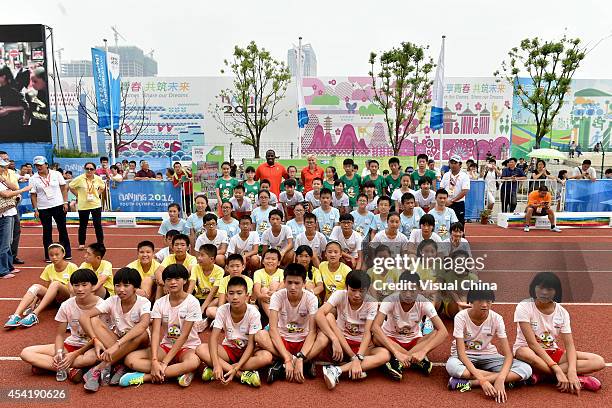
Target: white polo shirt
x=454 y=184
x=47 y=189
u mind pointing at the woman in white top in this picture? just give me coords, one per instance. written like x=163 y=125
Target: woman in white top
x=490 y=174
x=8 y=189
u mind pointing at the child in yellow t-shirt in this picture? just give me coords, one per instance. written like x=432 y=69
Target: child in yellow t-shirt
x=179 y=255
x=56 y=288
x=102 y=268
x=268 y=280
x=333 y=272
x=235 y=267
x=314 y=282
x=146 y=265
x=381 y=277
x=205 y=278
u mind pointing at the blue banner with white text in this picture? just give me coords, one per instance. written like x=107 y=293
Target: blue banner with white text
x=107 y=84
x=143 y=196
x=588 y=196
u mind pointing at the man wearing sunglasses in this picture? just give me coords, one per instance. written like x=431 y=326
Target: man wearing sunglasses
x=88 y=188
x=457 y=183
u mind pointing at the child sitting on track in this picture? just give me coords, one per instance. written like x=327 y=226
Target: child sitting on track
x=314 y=282
x=333 y=271
x=167 y=250
x=267 y=280
x=174 y=220
x=278 y=236
x=215 y=236
x=205 y=278
x=179 y=255
x=130 y=316
x=56 y=288
x=235 y=267
x=246 y=244
x=146 y=265
x=102 y=268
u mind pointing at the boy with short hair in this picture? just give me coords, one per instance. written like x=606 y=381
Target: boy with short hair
x=292 y=327
x=443 y=215
x=290 y=197
x=350 y=330
x=251 y=187
x=246 y=244
x=215 y=236
x=235 y=267
x=423 y=171
x=379 y=181
x=380 y=219
x=363 y=219
x=167 y=250
x=349 y=240
x=240 y=204
x=427 y=224
x=339 y=199
x=313 y=196
x=313 y=238
x=179 y=255
x=264 y=185
x=268 y=280
x=327 y=216
x=397 y=327
x=204 y=278
x=146 y=265
x=424 y=197
x=393 y=179
x=237 y=356
x=101 y=267
x=352 y=182
x=279 y=237
x=411 y=215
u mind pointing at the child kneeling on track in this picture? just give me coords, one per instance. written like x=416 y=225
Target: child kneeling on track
x=350 y=333
x=541 y=322
x=235 y=267
x=205 y=278
x=292 y=328
x=397 y=328
x=76 y=351
x=102 y=268
x=314 y=281
x=146 y=265
x=333 y=271
x=237 y=356
x=129 y=313
x=173 y=336
x=56 y=288
x=474 y=360
x=268 y=280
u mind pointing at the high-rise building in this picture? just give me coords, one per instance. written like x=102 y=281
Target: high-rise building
x=309 y=61
x=133 y=63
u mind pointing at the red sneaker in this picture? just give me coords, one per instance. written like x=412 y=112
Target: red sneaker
x=588 y=382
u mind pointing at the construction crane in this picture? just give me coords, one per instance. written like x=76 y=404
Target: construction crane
x=117 y=35
x=150 y=53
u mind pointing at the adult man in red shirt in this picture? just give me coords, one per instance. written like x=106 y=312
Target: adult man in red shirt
x=274 y=172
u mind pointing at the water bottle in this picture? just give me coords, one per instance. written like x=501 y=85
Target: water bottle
x=62 y=374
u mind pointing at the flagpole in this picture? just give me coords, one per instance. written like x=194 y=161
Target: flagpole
x=110 y=104
x=298 y=80
x=442 y=70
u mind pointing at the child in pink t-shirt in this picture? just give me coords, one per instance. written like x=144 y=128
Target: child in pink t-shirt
x=541 y=323
x=350 y=331
x=292 y=327
x=237 y=356
x=397 y=327
x=130 y=315
x=474 y=360
x=76 y=351
x=173 y=336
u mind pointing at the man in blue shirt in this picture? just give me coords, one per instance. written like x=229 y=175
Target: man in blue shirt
x=508 y=188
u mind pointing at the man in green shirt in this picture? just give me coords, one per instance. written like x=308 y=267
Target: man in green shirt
x=423 y=171
x=379 y=181
x=394 y=178
x=352 y=181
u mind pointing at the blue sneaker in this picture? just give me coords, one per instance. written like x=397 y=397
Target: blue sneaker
x=131 y=379
x=29 y=321
x=13 y=321
x=427 y=327
x=459 y=384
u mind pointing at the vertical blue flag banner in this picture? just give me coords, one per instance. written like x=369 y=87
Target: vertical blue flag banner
x=107 y=84
x=588 y=196
x=437 y=101
x=144 y=196
x=302 y=113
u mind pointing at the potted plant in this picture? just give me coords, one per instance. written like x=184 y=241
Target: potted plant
x=485 y=215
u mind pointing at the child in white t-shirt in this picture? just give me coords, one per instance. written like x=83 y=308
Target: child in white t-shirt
x=246 y=243
x=279 y=237
x=313 y=238
x=215 y=236
x=350 y=241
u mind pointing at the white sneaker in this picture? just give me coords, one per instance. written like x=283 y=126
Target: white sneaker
x=331 y=374
x=526 y=229
x=556 y=229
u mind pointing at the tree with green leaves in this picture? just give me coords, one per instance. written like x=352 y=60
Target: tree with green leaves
x=400 y=80
x=550 y=66
x=260 y=84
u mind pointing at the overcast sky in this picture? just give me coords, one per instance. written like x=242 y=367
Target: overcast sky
x=192 y=38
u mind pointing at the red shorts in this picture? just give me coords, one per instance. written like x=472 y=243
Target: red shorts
x=354 y=345
x=555 y=354
x=327 y=353
x=293 y=347
x=234 y=353
x=167 y=348
x=70 y=348
x=406 y=346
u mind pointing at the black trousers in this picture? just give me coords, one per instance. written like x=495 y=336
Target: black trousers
x=459 y=208
x=96 y=216
x=508 y=198
x=46 y=219
x=16 y=235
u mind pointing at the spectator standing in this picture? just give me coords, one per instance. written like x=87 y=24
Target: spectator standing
x=490 y=174
x=182 y=178
x=130 y=173
x=539 y=175
x=311 y=172
x=145 y=173
x=88 y=188
x=49 y=196
x=104 y=170
x=14 y=179
x=233 y=168
x=512 y=173
x=572 y=149
x=457 y=183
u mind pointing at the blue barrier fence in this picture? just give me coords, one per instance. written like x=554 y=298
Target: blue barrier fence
x=157 y=164
x=475 y=200
x=588 y=196
x=143 y=196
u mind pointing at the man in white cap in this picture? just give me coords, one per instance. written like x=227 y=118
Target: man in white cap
x=457 y=183
x=49 y=196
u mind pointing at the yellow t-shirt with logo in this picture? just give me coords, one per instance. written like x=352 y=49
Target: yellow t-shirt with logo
x=333 y=281
x=390 y=276
x=223 y=284
x=316 y=277
x=138 y=266
x=205 y=282
x=265 y=279
x=189 y=262
x=85 y=189
x=49 y=274
x=105 y=268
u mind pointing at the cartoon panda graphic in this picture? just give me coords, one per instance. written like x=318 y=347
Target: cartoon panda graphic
x=546 y=340
x=174 y=332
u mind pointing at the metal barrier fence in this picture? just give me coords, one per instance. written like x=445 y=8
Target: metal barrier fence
x=513 y=195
